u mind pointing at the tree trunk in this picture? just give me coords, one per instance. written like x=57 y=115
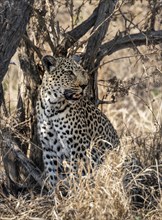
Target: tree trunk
x=14 y=16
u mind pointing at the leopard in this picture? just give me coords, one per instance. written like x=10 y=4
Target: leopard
x=70 y=127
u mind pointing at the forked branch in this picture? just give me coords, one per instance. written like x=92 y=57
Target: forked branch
x=129 y=41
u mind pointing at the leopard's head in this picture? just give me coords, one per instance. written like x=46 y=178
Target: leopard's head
x=64 y=78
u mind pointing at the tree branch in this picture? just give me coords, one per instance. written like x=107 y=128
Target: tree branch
x=105 y=11
x=34 y=47
x=129 y=41
x=12 y=153
x=14 y=16
x=75 y=34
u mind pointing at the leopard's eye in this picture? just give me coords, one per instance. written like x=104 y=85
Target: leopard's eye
x=71 y=72
x=71 y=75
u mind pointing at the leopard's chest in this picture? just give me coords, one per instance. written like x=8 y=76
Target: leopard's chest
x=69 y=124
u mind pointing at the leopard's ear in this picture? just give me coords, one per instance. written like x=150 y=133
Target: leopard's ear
x=76 y=58
x=48 y=61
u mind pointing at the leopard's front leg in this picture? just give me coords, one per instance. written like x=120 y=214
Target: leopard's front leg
x=52 y=153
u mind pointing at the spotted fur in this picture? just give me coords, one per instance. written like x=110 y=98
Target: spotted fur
x=70 y=127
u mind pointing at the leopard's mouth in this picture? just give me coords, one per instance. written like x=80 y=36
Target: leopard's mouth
x=71 y=95
x=77 y=96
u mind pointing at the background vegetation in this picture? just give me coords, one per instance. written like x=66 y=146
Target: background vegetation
x=119 y=43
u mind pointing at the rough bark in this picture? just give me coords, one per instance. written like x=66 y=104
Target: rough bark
x=105 y=11
x=14 y=16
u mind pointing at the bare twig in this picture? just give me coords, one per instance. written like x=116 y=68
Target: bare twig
x=154 y=11
x=2 y=101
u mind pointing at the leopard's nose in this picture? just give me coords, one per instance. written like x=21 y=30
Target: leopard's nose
x=83 y=86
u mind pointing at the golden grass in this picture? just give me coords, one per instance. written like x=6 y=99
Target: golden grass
x=97 y=196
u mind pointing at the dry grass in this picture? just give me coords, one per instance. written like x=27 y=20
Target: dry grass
x=97 y=196
x=102 y=195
